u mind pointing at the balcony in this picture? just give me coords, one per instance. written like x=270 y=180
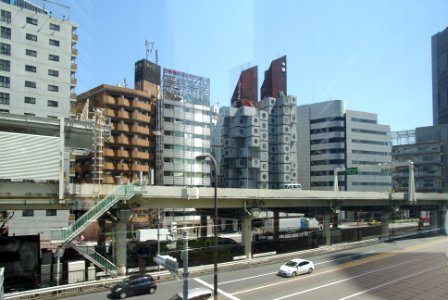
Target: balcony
x=108 y=112
x=74 y=67
x=122 y=127
x=122 y=153
x=140 y=155
x=74 y=52
x=108 y=166
x=122 y=101
x=120 y=167
x=140 y=168
x=108 y=180
x=108 y=153
x=73 y=96
x=141 y=105
x=140 y=129
x=107 y=99
x=121 y=140
x=139 y=142
x=74 y=38
x=122 y=114
x=140 y=117
x=73 y=81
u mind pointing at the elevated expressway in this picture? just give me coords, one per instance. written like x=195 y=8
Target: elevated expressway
x=242 y=203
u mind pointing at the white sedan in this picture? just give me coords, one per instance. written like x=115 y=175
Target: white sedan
x=296 y=267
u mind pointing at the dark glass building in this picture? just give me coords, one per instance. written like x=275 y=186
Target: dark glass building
x=440 y=77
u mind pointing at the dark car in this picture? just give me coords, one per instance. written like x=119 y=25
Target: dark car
x=134 y=285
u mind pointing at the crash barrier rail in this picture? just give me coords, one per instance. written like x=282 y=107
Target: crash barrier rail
x=90 y=286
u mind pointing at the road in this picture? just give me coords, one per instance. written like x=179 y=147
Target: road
x=407 y=269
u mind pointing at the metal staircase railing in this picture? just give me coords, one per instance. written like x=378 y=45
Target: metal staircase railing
x=63 y=236
x=96 y=258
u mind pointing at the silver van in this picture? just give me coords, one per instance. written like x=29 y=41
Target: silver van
x=195 y=294
x=292 y=186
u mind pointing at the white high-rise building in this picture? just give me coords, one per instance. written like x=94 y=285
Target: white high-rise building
x=184 y=121
x=37 y=60
x=336 y=140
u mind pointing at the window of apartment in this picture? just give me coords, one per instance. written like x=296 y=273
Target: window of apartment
x=5 y=32
x=53 y=73
x=52 y=103
x=53 y=57
x=5 y=65
x=28 y=213
x=4 y=98
x=53 y=88
x=52 y=117
x=50 y=212
x=54 y=42
x=4 y=81
x=6 y=16
x=30 y=114
x=30 y=68
x=30 y=52
x=5 y=111
x=5 y=49
x=30 y=84
x=30 y=100
x=54 y=27
x=31 y=21
x=31 y=37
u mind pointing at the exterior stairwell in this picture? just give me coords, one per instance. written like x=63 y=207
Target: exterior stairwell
x=96 y=258
x=63 y=237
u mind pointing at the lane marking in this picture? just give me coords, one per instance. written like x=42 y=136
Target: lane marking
x=331 y=283
x=219 y=290
x=316 y=264
x=390 y=282
x=247 y=278
x=351 y=264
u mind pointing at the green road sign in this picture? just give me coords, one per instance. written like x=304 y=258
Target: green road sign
x=351 y=171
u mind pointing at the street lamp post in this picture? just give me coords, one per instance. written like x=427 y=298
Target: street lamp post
x=215 y=232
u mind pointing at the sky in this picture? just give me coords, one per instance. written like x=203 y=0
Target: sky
x=373 y=54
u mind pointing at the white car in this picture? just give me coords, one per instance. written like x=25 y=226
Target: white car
x=296 y=267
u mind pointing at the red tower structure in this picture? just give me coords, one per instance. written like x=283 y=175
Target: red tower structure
x=246 y=90
x=274 y=83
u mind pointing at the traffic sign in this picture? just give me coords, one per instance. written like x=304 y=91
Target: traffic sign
x=351 y=171
x=168 y=262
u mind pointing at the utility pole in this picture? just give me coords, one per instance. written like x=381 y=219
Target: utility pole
x=185 y=271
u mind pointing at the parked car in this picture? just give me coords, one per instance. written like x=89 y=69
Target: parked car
x=134 y=285
x=296 y=267
x=195 y=294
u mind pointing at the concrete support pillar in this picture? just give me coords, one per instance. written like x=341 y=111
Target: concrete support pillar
x=434 y=219
x=276 y=224
x=121 y=240
x=204 y=226
x=443 y=221
x=385 y=226
x=326 y=228
x=246 y=236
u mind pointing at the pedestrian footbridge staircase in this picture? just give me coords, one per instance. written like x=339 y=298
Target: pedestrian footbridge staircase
x=66 y=237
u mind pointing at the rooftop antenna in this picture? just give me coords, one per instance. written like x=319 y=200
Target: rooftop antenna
x=157 y=56
x=149 y=46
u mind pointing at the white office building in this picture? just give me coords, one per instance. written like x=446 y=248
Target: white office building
x=336 y=140
x=183 y=128
x=37 y=60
